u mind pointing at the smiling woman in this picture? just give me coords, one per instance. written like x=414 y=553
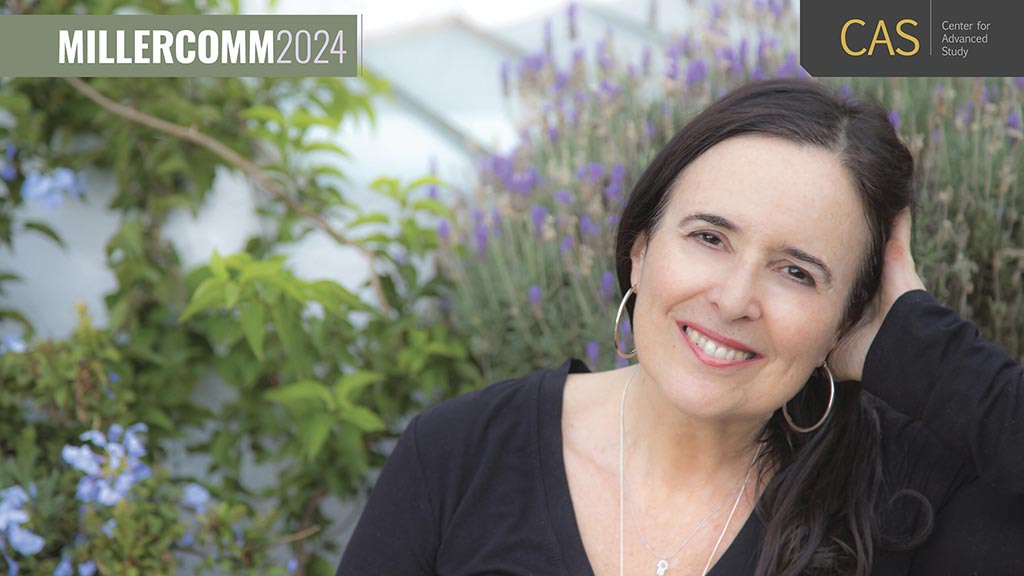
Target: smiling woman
x=799 y=404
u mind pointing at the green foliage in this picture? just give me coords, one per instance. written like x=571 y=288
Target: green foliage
x=318 y=376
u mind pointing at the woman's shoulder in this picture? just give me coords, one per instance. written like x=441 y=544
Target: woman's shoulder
x=496 y=412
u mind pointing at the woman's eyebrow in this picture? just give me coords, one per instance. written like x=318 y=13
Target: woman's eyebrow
x=796 y=253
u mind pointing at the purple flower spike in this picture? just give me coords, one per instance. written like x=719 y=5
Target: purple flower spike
x=588 y=227
x=444 y=229
x=1014 y=120
x=608 y=285
x=618 y=173
x=480 y=235
x=696 y=71
x=776 y=6
x=593 y=352
x=537 y=215
x=535 y=294
x=591 y=172
x=894 y=119
x=1019 y=82
x=564 y=196
x=567 y=244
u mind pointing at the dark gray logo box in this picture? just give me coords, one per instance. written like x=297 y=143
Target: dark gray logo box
x=993 y=48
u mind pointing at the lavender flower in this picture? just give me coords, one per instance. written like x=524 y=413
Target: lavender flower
x=564 y=196
x=444 y=229
x=533 y=63
x=588 y=227
x=524 y=181
x=1013 y=121
x=776 y=6
x=672 y=72
x=845 y=91
x=496 y=222
x=696 y=71
x=894 y=119
x=480 y=235
x=604 y=56
x=607 y=285
x=790 y=66
x=592 y=172
x=567 y=243
x=593 y=352
x=1019 y=82
x=609 y=89
x=535 y=294
x=537 y=215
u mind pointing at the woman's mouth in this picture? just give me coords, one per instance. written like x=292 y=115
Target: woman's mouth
x=714 y=352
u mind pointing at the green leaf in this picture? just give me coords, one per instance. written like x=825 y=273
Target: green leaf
x=433 y=206
x=217 y=266
x=364 y=419
x=45 y=230
x=261 y=270
x=296 y=394
x=209 y=294
x=253 y=327
x=313 y=430
x=264 y=114
x=350 y=385
x=375 y=218
x=325 y=147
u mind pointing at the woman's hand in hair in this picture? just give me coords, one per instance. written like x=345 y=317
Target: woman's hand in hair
x=899 y=276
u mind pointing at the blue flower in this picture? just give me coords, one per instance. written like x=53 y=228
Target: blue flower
x=196 y=497
x=87 y=568
x=12 y=344
x=64 y=568
x=187 y=540
x=49 y=190
x=109 y=477
x=8 y=171
x=12 y=516
x=535 y=294
x=108 y=528
x=292 y=565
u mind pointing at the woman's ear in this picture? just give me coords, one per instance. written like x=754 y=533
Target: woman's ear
x=637 y=255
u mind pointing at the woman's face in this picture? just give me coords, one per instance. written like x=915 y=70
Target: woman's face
x=757 y=251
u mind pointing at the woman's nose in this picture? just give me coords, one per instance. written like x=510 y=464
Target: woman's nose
x=735 y=292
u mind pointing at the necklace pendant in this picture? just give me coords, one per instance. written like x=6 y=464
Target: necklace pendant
x=662 y=567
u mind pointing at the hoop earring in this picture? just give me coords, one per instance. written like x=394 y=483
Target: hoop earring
x=615 y=329
x=828 y=410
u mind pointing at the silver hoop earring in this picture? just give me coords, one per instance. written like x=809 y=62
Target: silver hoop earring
x=828 y=410
x=615 y=329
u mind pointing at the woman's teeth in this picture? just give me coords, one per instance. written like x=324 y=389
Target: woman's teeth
x=714 y=349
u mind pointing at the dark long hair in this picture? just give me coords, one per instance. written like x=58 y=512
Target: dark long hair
x=822 y=505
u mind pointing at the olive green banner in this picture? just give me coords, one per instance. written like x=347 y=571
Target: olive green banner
x=126 y=46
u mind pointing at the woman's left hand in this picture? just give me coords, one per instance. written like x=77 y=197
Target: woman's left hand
x=898 y=277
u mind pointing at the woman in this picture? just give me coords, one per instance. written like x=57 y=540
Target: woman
x=750 y=254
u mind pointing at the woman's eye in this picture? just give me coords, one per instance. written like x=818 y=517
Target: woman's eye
x=708 y=238
x=799 y=275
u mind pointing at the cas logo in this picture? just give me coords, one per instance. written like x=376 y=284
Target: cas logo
x=882 y=37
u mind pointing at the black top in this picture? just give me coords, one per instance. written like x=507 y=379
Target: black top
x=477 y=485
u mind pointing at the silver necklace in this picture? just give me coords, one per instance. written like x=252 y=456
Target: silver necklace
x=663 y=561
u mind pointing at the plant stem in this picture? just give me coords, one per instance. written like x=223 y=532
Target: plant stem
x=191 y=134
